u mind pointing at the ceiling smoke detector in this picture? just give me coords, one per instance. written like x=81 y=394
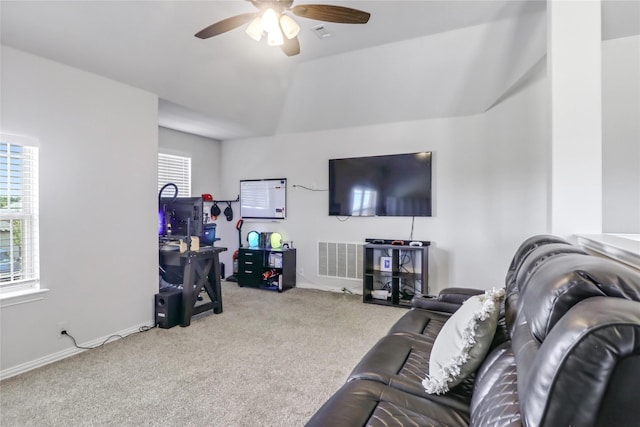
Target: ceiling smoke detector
x=321 y=31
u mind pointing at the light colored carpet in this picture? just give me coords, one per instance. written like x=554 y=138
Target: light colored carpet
x=269 y=359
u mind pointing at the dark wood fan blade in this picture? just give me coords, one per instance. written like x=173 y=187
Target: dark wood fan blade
x=225 y=25
x=329 y=13
x=291 y=47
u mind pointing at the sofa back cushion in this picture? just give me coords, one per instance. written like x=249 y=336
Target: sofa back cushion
x=562 y=282
x=495 y=394
x=523 y=251
x=528 y=266
x=539 y=256
x=576 y=341
x=586 y=371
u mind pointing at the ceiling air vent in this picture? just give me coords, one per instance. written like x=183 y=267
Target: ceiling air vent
x=321 y=31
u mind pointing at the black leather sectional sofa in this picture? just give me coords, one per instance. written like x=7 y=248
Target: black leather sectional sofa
x=566 y=352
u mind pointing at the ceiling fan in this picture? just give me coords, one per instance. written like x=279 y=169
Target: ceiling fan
x=281 y=29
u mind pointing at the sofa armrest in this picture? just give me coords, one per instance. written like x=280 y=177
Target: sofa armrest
x=433 y=304
x=448 y=300
x=458 y=295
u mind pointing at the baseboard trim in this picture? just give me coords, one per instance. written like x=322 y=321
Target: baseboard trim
x=68 y=352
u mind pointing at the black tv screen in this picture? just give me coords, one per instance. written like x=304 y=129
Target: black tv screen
x=392 y=185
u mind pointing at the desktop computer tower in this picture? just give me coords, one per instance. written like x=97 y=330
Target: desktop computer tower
x=168 y=308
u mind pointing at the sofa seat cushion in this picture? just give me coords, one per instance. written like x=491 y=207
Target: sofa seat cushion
x=370 y=403
x=425 y=323
x=401 y=361
x=394 y=355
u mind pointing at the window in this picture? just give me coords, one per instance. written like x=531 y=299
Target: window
x=19 y=252
x=175 y=169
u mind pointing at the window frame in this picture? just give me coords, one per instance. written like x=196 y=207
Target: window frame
x=29 y=215
x=176 y=169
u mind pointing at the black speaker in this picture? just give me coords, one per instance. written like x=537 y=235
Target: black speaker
x=168 y=308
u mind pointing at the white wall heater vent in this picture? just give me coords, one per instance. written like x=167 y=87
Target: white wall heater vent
x=340 y=260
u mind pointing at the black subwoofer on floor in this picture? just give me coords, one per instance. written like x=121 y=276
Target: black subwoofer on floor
x=168 y=308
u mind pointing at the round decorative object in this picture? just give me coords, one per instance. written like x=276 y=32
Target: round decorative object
x=276 y=240
x=253 y=238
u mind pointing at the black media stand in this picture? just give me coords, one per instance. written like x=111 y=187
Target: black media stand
x=395 y=273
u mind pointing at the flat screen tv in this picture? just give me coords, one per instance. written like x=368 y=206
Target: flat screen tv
x=392 y=185
x=263 y=198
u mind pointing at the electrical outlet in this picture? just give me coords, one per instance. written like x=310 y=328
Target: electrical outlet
x=301 y=271
x=62 y=326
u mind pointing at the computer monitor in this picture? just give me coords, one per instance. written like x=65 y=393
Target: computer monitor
x=181 y=217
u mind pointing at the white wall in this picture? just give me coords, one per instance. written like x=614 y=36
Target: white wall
x=205 y=159
x=621 y=135
x=441 y=75
x=98 y=180
x=489 y=188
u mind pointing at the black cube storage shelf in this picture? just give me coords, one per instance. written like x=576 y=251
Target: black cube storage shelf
x=401 y=270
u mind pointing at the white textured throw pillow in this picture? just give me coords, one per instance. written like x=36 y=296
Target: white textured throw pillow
x=463 y=342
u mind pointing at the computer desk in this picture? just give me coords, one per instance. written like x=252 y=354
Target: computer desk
x=201 y=269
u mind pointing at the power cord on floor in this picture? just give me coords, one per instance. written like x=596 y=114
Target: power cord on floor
x=75 y=343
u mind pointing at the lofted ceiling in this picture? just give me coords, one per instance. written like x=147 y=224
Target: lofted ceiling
x=230 y=86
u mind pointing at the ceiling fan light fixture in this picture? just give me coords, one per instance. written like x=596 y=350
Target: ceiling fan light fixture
x=254 y=30
x=274 y=18
x=270 y=21
x=275 y=38
x=290 y=28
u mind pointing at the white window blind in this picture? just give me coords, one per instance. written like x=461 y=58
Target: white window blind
x=19 y=251
x=175 y=169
